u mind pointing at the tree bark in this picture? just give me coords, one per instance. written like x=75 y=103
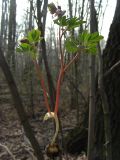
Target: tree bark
x=112 y=88
x=91 y=125
x=12 y=34
x=19 y=107
x=44 y=55
x=4 y=24
x=31 y=91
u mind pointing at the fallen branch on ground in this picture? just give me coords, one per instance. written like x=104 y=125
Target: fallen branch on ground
x=7 y=149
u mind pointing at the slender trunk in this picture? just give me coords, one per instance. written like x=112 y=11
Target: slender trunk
x=91 y=126
x=31 y=15
x=19 y=107
x=11 y=34
x=44 y=13
x=30 y=63
x=76 y=95
x=70 y=8
x=44 y=55
x=106 y=112
x=105 y=105
x=4 y=24
x=81 y=16
x=72 y=105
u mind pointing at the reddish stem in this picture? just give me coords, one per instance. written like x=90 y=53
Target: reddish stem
x=60 y=75
x=58 y=89
x=61 y=53
x=39 y=74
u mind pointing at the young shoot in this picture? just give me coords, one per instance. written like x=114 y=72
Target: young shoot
x=84 y=42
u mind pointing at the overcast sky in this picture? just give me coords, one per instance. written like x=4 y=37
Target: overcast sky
x=21 y=7
x=108 y=17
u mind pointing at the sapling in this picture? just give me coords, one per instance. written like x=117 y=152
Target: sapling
x=83 y=43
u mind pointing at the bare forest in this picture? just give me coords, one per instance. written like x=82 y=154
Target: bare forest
x=59 y=80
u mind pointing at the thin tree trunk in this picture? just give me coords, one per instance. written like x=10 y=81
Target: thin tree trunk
x=4 y=24
x=44 y=13
x=44 y=55
x=11 y=34
x=30 y=63
x=19 y=107
x=81 y=16
x=70 y=8
x=106 y=112
x=91 y=125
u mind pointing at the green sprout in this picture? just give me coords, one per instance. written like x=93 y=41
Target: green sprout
x=29 y=43
x=84 y=42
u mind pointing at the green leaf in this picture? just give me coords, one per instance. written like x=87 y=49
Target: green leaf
x=25 y=47
x=92 y=48
x=95 y=37
x=70 y=23
x=90 y=41
x=91 y=51
x=34 y=35
x=84 y=37
x=70 y=45
x=61 y=21
x=33 y=55
x=18 y=49
x=74 y=22
x=28 y=44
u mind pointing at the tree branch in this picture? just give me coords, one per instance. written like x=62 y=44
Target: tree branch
x=73 y=59
x=7 y=149
x=117 y=64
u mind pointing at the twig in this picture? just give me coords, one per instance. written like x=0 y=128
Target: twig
x=74 y=58
x=7 y=149
x=112 y=69
x=28 y=148
x=61 y=53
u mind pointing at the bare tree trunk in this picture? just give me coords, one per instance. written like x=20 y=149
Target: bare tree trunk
x=12 y=34
x=72 y=91
x=19 y=107
x=76 y=7
x=70 y=8
x=44 y=13
x=91 y=125
x=4 y=24
x=112 y=89
x=44 y=55
x=31 y=15
x=81 y=16
x=106 y=112
x=30 y=64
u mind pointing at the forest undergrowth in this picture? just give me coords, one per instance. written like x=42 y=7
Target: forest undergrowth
x=12 y=134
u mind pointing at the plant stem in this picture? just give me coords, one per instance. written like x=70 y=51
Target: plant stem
x=58 y=89
x=39 y=74
x=62 y=70
x=57 y=129
x=73 y=59
x=61 y=53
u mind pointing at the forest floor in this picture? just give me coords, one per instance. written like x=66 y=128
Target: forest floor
x=12 y=134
